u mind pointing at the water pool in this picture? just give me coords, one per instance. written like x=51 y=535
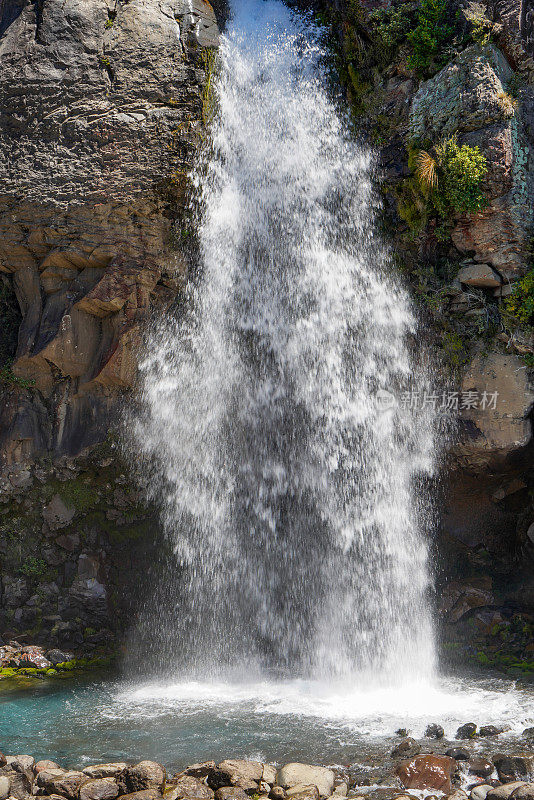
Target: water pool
x=78 y=722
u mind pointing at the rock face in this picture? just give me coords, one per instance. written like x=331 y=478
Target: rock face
x=102 y=109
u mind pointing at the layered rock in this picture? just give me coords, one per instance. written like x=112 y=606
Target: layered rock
x=102 y=113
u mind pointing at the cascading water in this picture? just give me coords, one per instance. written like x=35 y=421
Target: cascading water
x=281 y=451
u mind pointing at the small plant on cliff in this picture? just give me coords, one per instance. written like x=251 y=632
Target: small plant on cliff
x=209 y=99
x=463 y=169
x=428 y=40
x=481 y=29
x=519 y=307
x=33 y=568
x=7 y=376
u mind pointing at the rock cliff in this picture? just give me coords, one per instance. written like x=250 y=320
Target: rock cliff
x=103 y=110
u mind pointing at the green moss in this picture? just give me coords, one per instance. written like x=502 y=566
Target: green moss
x=78 y=494
x=209 y=98
x=33 y=568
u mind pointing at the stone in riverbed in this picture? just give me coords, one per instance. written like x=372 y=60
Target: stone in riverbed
x=490 y=730
x=305 y=774
x=480 y=792
x=198 y=770
x=525 y=792
x=434 y=731
x=467 y=731
x=277 y=793
x=427 y=772
x=66 y=784
x=480 y=767
x=110 y=770
x=187 y=786
x=144 y=775
x=4 y=787
x=99 y=789
x=458 y=753
x=41 y=766
x=58 y=656
x=231 y=793
x=514 y=768
x=456 y=794
x=269 y=774
x=406 y=749
x=235 y=772
x=528 y=733
x=143 y=794
x=504 y=792
x=301 y=792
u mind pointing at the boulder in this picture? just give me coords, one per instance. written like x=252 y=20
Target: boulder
x=277 y=793
x=56 y=514
x=495 y=430
x=3 y=759
x=481 y=275
x=480 y=792
x=187 y=786
x=301 y=792
x=231 y=793
x=198 y=770
x=294 y=774
x=528 y=733
x=20 y=783
x=504 y=792
x=110 y=770
x=427 y=772
x=269 y=774
x=42 y=766
x=66 y=784
x=467 y=731
x=480 y=767
x=514 y=768
x=490 y=730
x=21 y=763
x=143 y=794
x=434 y=731
x=99 y=789
x=144 y=775
x=525 y=792
x=244 y=774
x=4 y=787
x=59 y=657
x=406 y=749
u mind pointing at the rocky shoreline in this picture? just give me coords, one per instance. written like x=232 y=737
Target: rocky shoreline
x=457 y=774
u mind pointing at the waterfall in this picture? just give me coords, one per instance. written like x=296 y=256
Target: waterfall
x=276 y=422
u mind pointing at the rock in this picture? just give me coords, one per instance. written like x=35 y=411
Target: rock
x=295 y=773
x=456 y=794
x=479 y=275
x=21 y=763
x=434 y=731
x=513 y=768
x=504 y=792
x=528 y=733
x=103 y=770
x=467 y=731
x=66 y=784
x=480 y=767
x=406 y=749
x=458 y=753
x=302 y=792
x=277 y=793
x=269 y=774
x=20 y=783
x=426 y=772
x=341 y=789
x=198 y=770
x=41 y=766
x=490 y=730
x=56 y=514
x=231 y=793
x=525 y=792
x=99 y=789
x=4 y=787
x=144 y=775
x=244 y=774
x=479 y=792
x=144 y=794
x=3 y=759
x=187 y=786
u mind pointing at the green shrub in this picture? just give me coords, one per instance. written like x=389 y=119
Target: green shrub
x=463 y=170
x=33 y=567
x=520 y=305
x=429 y=38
